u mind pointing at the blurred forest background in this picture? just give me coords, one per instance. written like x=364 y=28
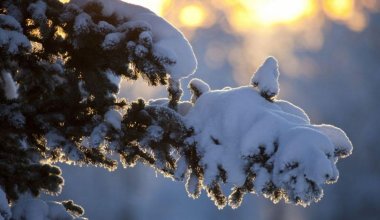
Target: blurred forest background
x=329 y=55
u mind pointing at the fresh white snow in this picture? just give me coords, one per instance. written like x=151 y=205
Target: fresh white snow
x=37 y=209
x=231 y=125
x=106 y=27
x=197 y=88
x=57 y=211
x=112 y=40
x=234 y=124
x=28 y=208
x=12 y=40
x=266 y=77
x=167 y=40
x=9 y=85
x=113 y=117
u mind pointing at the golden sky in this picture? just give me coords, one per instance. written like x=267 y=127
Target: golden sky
x=265 y=27
x=243 y=14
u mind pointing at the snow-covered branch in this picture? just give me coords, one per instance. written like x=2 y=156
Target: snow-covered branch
x=60 y=72
x=254 y=144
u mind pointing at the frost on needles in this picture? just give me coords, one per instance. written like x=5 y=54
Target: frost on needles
x=60 y=71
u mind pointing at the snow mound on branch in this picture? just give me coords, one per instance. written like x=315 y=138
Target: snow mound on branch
x=167 y=40
x=112 y=40
x=239 y=128
x=33 y=209
x=12 y=40
x=113 y=117
x=30 y=209
x=197 y=88
x=266 y=78
x=11 y=22
x=82 y=23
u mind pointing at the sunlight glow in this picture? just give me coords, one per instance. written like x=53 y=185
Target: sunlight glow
x=60 y=33
x=339 y=9
x=192 y=15
x=245 y=14
x=269 y=12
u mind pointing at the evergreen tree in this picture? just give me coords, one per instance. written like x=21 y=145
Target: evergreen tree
x=60 y=71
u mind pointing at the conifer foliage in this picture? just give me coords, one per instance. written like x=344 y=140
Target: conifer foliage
x=60 y=71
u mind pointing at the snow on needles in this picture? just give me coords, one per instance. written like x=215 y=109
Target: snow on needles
x=167 y=40
x=239 y=128
x=12 y=40
x=9 y=85
x=113 y=117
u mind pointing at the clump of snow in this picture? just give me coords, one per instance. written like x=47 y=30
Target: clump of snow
x=141 y=51
x=145 y=38
x=162 y=52
x=9 y=85
x=133 y=25
x=33 y=209
x=82 y=89
x=106 y=27
x=38 y=10
x=26 y=208
x=5 y=211
x=57 y=211
x=11 y=37
x=54 y=139
x=82 y=23
x=10 y=22
x=23 y=143
x=58 y=66
x=266 y=78
x=154 y=135
x=97 y=135
x=182 y=108
x=113 y=117
x=167 y=40
x=181 y=169
x=112 y=40
x=113 y=78
x=343 y=145
x=238 y=126
x=197 y=88
x=292 y=109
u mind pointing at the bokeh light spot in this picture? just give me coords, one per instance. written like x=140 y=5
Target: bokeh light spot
x=271 y=12
x=192 y=15
x=339 y=9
